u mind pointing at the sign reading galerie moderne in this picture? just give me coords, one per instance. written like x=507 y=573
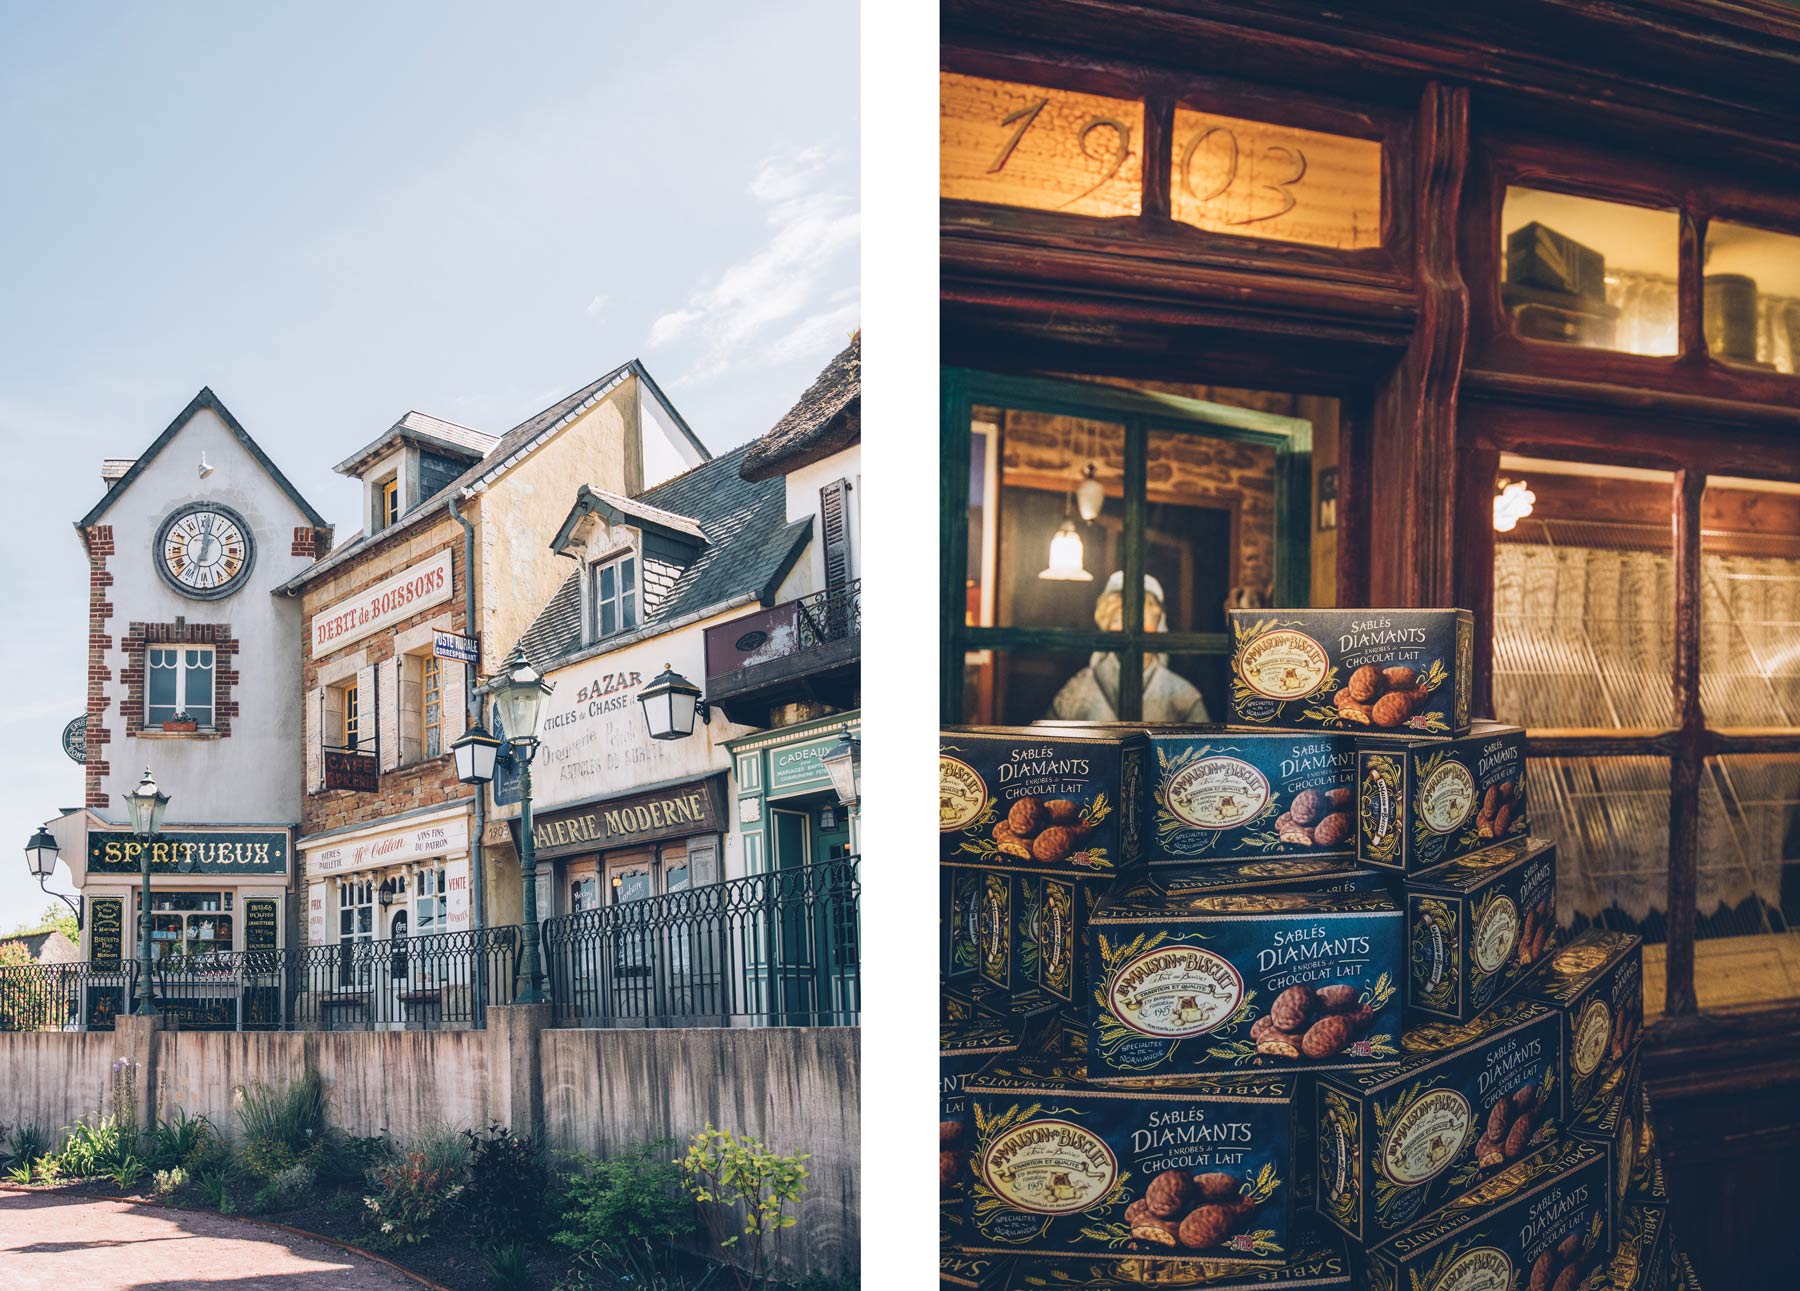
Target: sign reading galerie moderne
x=418 y=588
x=241 y=851
x=696 y=808
x=393 y=848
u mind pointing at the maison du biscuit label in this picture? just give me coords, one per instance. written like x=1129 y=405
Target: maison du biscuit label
x=1446 y=798
x=1283 y=664
x=1049 y=1167
x=962 y=794
x=1427 y=1139
x=1592 y=1031
x=1496 y=935
x=1486 y=1268
x=1175 y=992
x=1217 y=793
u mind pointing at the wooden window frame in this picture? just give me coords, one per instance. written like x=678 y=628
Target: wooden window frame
x=350 y=715
x=387 y=502
x=1139 y=414
x=431 y=693
x=616 y=562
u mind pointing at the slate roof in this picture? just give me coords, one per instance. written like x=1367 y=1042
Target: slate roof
x=50 y=946
x=616 y=508
x=422 y=428
x=515 y=441
x=828 y=419
x=750 y=548
x=205 y=399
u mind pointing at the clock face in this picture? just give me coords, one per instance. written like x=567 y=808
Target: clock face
x=204 y=551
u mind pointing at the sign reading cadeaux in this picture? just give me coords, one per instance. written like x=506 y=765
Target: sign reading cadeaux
x=798 y=765
x=388 y=602
x=239 y=851
x=440 y=839
x=696 y=808
x=593 y=738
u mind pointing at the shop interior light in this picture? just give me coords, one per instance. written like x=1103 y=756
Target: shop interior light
x=827 y=817
x=1066 y=557
x=1090 y=495
x=1512 y=504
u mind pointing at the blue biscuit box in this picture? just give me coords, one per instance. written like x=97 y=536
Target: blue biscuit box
x=1528 y=1226
x=1032 y=798
x=1394 y=1143
x=1406 y=671
x=1422 y=803
x=1219 y=793
x=1194 y=1167
x=1232 y=980
x=1299 y=873
x=1478 y=926
x=1318 y=1259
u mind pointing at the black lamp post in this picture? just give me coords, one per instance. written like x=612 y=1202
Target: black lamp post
x=40 y=855
x=519 y=692
x=147 y=804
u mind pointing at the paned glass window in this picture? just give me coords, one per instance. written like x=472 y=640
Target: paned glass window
x=190 y=923
x=429 y=903
x=1751 y=295
x=178 y=679
x=615 y=597
x=431 y=706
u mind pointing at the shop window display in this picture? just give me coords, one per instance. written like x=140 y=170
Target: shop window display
x=190 y=923
x=1751 y=296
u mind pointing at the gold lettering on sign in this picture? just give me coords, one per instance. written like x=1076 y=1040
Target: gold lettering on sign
x=1257 y=180
x=1047 y=150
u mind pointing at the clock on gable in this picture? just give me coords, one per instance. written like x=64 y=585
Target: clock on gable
x=205 y=551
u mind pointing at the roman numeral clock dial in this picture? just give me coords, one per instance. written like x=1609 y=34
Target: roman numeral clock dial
x=204 y=551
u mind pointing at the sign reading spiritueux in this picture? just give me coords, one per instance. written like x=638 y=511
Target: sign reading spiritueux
x=243 y=851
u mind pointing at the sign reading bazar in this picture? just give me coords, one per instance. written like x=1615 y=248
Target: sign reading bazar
x=254 y=851
x=696 y=808
x=388 y=602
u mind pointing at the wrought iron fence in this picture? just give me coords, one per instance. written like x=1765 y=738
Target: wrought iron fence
x=775 y=949
x=834 y=614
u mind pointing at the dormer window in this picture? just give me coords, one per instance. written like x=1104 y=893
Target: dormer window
x=387 y=502
x=614 y=596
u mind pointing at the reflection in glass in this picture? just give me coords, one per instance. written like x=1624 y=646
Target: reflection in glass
x=1750 y=605
x=1752 y=296
x=1584 y=600
x=1095 y=692
x=1580 y=271
x=1013 y=688
x=1746 y=950
x=1610 y=820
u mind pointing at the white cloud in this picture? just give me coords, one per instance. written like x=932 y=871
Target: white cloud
x=811 y=224
x=595 y=305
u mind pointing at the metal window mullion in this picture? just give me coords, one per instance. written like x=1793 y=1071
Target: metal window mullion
x=1686 y=761
x=1131 y=656
x=953 y=534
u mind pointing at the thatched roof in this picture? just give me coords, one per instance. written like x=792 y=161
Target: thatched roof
x=827 y=420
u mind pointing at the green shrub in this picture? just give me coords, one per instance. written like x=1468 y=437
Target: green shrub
x=166 y=1183
x=411 y=1199
x=348 y=1158
x=509 y=1181
x=179 y=1141
x=217 y=1191
x=627 y=1206
x=96 y=1145
x=736 y=1178
x=27 y=1144
x=444 y=1146
x=282 y=1127
x=127 y=1172
x=594 y=1271
x=287 y=1188
x=509 y=1268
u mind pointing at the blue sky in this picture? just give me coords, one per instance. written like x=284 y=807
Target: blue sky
x=334 y=213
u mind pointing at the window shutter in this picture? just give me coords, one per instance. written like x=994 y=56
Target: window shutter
x=453 y=697
x=314 y=735
x=387 y=711
x=368 y=706
x=834 y=516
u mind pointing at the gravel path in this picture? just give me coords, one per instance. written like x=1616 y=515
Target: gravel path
x=51 y=1242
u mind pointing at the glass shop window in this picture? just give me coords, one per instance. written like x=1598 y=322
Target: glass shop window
x=1580 y=271
x=1751 y=295
x=429 y=902
x=190 y=923
x=178 y=679
x=356 y=911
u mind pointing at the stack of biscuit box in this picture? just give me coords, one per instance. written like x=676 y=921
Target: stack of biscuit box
x=1284 y=1001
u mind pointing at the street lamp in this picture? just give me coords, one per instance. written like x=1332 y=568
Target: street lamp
x=843 y=763
x=40 y=855
x=671 y=703
x=519 y=691
x=147 y=803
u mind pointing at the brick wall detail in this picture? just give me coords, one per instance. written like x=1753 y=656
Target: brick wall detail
x=141 y=636
x=99 y=546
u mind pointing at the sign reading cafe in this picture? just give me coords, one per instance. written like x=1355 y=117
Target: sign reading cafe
x=417 y=588
x=255 y=851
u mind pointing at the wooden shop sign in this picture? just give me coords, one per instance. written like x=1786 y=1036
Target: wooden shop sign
x=693 y=808
x=252 y=851
x=260 y=919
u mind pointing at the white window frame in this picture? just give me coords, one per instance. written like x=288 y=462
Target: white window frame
x=181 y=669
x=630 y=604
x=431 y=906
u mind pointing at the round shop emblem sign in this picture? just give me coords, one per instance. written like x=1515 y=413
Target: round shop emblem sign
x=1592 y=1030
x=1496 y=935
x=1049 y=1167
x=1427 y=1138
x=1175 y=992
x=1217 y=793
x=1486 y=1268
x=1446 y=798
x=1283 y=664
x=962 y=794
